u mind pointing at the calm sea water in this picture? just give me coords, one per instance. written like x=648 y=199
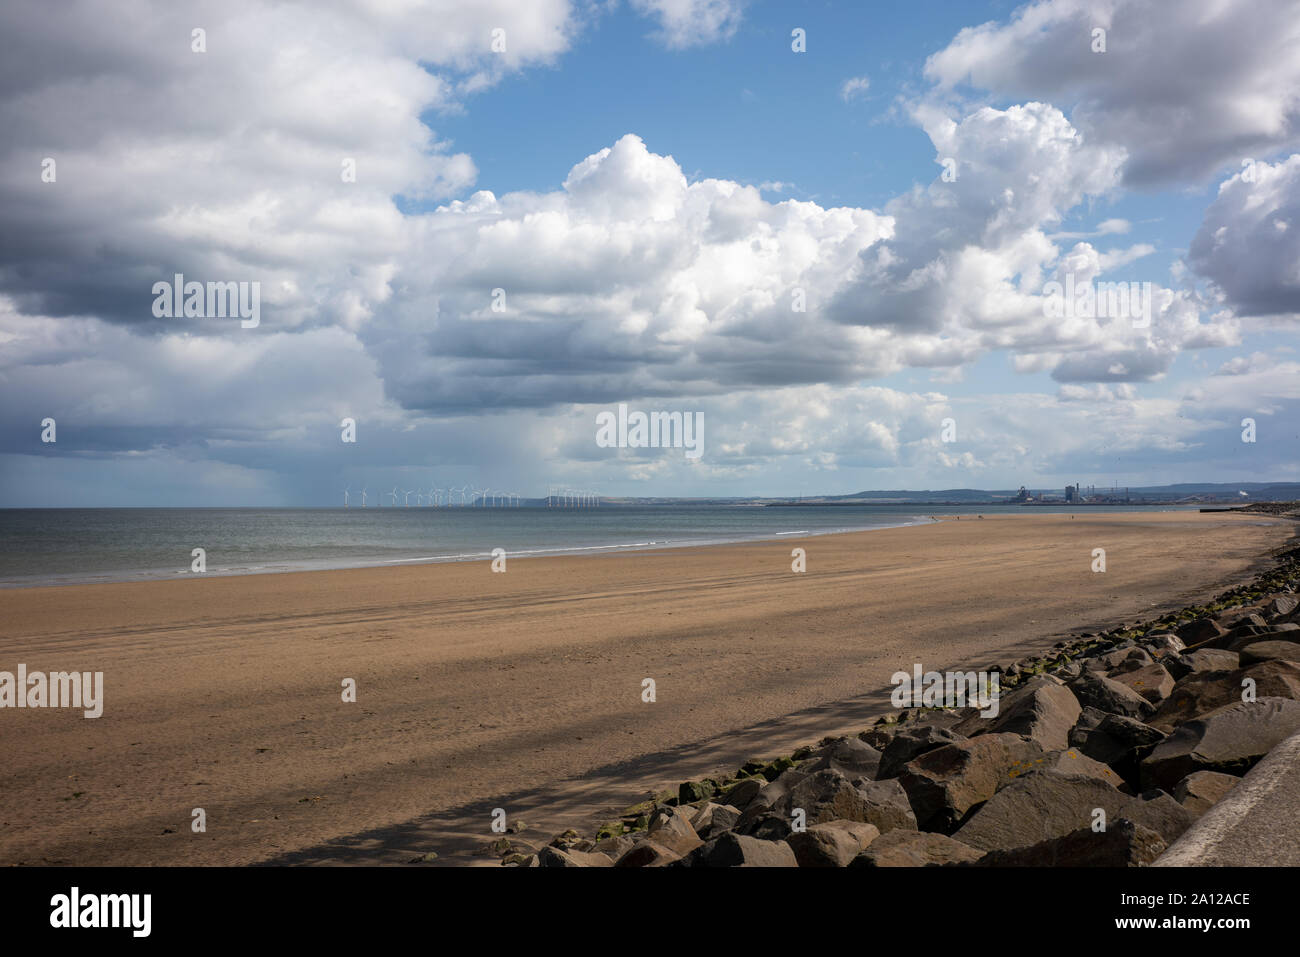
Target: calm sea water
x=64 y=546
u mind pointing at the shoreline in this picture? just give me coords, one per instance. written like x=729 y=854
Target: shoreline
x=918 y=517
x=472 y=683
x=579 y=551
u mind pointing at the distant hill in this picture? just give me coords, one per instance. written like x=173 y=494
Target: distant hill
x=1256 y=492
x=1190 y=492
x=1219 y=491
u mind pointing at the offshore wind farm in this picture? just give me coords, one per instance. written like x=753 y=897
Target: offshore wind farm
x=468 y=496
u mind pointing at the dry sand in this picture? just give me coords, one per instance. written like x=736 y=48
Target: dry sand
x=523 y=689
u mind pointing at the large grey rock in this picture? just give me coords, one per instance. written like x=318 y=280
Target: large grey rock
x=1129 y=731
x=1200 y=694
x=736 y=850
x=777 y=789
x=879 y=736
x=1282 y=633
x=764 y=824
x=1244 y=617
x=1042 y=710
x=830 y=796
x=1201 y=790
x=908 y=743
x=944 y=784
x=1136 y=659
x=1283 y=606
x=833 y=844
x=554 y=857
x=1089 y=718
x=1068 y=669
x=647 y=853
x=914 y=849
x=615 y=846
x=742 y=792
x=1074 y=761
x=1119 y=743
x=1200 y=661
x=1152 y=682
x=1123 y=844
x=1270 y=651
x=671 y=828
x=1106 y=694
x=1229 y=740
x=1048 y=804
x=852 y=756
x=1202 y=629
x=1214 y=659
x=1105 y=661
x=887 y=805
x=712 y=819
x=1163 y=644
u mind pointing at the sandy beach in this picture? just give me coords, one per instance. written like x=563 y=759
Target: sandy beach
x=225 y=693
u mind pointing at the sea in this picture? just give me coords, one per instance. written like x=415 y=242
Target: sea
x=76 y=546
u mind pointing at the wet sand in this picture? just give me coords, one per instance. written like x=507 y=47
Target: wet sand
x=523 y=689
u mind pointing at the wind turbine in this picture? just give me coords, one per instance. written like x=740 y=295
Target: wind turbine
x=407 y=499
x=345 y=496
x=393 y=495
x=363 y=498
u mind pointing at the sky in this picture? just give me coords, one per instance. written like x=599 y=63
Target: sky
x=836 y=234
